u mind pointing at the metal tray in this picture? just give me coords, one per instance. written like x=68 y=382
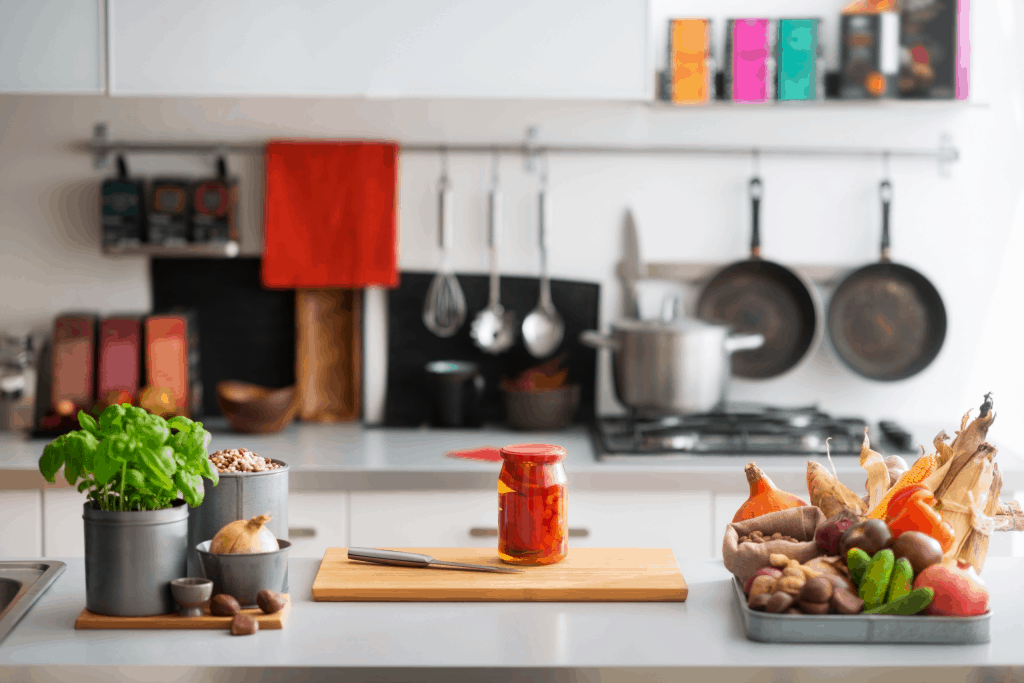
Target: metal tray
x=860 y=628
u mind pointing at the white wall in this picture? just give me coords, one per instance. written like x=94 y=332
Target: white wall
x=962 y=231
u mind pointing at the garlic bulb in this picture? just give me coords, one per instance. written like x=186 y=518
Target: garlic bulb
x=245 y=536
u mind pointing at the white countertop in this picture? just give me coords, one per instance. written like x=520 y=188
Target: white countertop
x=704 y=632
x=353 y=457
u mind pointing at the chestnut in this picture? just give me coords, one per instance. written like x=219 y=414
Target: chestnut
x=224 y=605
x=244 y=625
x=269 y=601
x=871 y=535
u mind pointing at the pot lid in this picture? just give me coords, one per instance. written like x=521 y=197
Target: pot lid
x=690 y=325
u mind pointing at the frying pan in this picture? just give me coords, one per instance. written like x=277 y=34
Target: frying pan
x=886 y=321
x=762 y=297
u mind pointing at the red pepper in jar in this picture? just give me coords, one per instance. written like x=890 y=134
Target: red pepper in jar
x=533 y=525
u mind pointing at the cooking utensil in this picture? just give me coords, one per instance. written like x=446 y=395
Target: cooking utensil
x=494 y=330
x=763 y=297
x=444 y=311
x=543 y=328
x=886 y=321
x=631 y=269
x=585 y=575
x=457 y=387
x=400 y=559
x=675 y=366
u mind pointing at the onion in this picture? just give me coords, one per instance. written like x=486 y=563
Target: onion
x=245 y=537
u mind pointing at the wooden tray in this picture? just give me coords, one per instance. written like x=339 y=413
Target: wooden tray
x=585 y=575
x=90 y=620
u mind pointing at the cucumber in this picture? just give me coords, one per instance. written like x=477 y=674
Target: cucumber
x=875 y=584
x=911 y=603
x=902 y=580
x=857 y=560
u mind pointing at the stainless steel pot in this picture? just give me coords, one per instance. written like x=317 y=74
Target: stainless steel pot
x=671 y=367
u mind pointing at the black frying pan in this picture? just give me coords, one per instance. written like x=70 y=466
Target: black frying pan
x=887 y=321
x=763 y=297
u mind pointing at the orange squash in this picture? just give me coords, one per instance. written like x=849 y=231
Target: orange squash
x=764 y=497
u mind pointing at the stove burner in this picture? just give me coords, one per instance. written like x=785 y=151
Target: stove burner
x=740 y=429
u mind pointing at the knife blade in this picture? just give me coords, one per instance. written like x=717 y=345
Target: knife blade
x=631 y=267
x=402 y=559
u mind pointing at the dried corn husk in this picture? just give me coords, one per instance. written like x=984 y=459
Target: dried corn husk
x=966 y=443
x=878 y=475
x=965 y=504
x=943 y=451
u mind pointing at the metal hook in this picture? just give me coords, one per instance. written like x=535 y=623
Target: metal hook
x=543 y=171
x=495 y=163
x=755 y=160
x=530 y=148
x=885 y=165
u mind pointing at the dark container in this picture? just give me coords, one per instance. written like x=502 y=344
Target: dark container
x=244 y=575
x=169 y=208
x=131 y=559
x=239 y=495
x=213 y=208
x=457 y=388
x=124 y=209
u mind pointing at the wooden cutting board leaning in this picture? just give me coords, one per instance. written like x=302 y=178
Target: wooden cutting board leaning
x=585 y=575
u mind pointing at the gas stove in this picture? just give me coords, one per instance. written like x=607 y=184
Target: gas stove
x=742 y=429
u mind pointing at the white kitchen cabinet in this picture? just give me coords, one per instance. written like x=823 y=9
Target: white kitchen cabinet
x=681 y=521
x=382 y=519
x=726 y=505
x=571 y=49
x=50 y=47
x=21 y=534
x=63 y=528
x=317 y=520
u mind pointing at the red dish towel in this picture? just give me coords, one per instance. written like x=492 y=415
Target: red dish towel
x=330 y=219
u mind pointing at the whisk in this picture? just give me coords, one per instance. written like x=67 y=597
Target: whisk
x=444 y=310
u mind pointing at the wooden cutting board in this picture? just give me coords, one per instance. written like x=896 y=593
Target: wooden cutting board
x=328 y=354
x=585 y=575
x=90 y=620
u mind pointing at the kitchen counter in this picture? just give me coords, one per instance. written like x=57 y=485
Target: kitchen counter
x=704 y=633
x=351 y=457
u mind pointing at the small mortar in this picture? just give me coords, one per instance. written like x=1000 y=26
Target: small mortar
x=191 y=594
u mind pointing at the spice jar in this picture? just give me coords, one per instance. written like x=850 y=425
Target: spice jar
x=533 y=522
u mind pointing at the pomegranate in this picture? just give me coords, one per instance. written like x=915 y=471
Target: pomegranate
x=770 y=571
x=958 y=590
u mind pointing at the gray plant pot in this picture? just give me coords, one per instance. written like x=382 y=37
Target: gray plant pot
x=239 y=495
x=131 y=559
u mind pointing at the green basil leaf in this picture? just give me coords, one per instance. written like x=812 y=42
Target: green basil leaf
x=109 y=458
x=83 y=485
x=111 y=419
x=181 y=423
x=191 y=487
x=153 y=465
x=53 y=457
x=210 y=472
x=88 y=423
x=136 y=480
x=152 y=430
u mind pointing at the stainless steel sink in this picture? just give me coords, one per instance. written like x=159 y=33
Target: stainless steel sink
x=21 y=584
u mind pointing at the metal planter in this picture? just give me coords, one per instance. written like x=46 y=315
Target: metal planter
x=131 y=559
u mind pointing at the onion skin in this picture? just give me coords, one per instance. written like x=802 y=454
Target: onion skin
x=245 y=536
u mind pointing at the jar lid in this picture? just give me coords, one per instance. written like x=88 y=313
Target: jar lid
x=533 y=453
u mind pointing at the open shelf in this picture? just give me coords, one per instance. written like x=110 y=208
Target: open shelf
x=194 y=250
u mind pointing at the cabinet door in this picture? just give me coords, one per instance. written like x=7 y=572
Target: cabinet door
x=631 y=519
x=20 y=530
x=642 y=519
x=571 y=49
x=317 y=520
x=51 y=46
x=430 y=519
x=63 y=529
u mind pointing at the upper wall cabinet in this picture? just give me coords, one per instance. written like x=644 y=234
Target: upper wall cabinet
x=571 y=49
x=51 y=46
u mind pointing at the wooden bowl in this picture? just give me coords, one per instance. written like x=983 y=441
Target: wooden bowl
x=253 y=409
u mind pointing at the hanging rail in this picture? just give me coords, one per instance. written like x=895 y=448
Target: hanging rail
x=101 y=147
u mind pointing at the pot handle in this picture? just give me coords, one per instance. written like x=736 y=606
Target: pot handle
x=596 y=340
x=743 y=342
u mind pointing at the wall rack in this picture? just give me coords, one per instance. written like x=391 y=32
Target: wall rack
x=191 y=250
x=101 y=147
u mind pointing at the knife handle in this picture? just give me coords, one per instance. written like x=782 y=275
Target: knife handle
x=392 y=557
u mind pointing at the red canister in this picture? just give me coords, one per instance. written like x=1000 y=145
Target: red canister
x=533 y=520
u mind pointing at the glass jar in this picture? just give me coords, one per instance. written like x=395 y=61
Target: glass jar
x=533 y=521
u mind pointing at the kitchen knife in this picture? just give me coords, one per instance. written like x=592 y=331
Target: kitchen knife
x=400 y=559
x=631 y=268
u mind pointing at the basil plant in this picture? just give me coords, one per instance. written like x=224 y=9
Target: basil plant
x=133 y=460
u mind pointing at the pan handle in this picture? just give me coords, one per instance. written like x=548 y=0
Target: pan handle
x=885 y=192
x=743 y=342
x=756 y=191
x=596 y=340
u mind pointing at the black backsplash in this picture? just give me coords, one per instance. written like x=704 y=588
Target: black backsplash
x=411 y=345
x=246 y=333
